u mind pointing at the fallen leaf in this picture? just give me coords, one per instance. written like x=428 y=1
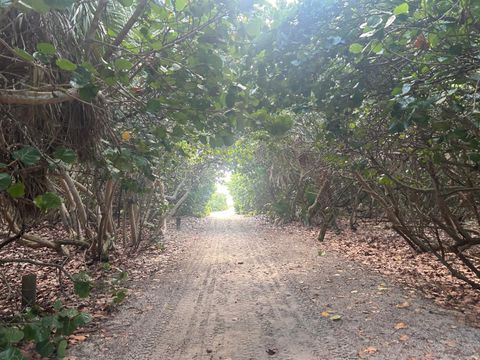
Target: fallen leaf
x=126 y=135
x=78 y=338
x=403 y=305
x=451 y=343
x=369 y=350
x=404 y=337
x=401 y=325
x=271 y=351
x=335 y=317
x=325 y=314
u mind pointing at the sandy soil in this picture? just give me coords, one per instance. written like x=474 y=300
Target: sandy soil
x=240 y=290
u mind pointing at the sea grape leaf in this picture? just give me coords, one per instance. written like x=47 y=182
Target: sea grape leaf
x=28 y=155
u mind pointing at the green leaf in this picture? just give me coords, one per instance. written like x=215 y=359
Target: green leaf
x=355 y=48
x=120 y=295
x=396 y=91
x=5 y=181
x=61 y=348
x=228 y=140
x=22 y=54
x=254 y=27
x=82 y=319
x=441 y=125
x=68 y=326
x=66 y=155
x=37 y=332
x=69 y=313
x=11 y=353
x=17 y=190
x=88 y=92
x=433 y=40
x=475 y=76
x=48 y=201
x=475 y=157
x=57 y=305
x=45 y=348
x=216 y=141
x=153 y=105
x=82 y=284
x=178 y=131
x=180 y=4
x=27 y=155
x=377 y=47
x=66 y=65
x=12 y=335
x=81 y=76
x=46 y=48
x=401 y=9
x=122 y=64
x=385 y=180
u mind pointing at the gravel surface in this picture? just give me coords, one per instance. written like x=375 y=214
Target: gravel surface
x=241 y=290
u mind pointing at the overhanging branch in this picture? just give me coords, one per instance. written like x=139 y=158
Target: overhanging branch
x=27 y=97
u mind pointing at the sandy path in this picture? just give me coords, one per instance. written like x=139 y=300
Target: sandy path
x=244 y=291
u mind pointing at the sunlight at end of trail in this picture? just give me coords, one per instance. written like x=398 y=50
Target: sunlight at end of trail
x=222 y=188
x=223 y=214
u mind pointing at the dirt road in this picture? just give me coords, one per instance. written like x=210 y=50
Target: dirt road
x=240 y=290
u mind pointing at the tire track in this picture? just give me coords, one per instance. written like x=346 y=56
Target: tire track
x=244 y=290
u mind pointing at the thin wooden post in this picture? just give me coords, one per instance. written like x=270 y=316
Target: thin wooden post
x=29 y=290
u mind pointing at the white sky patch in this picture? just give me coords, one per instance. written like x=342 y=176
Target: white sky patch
x=274 y=2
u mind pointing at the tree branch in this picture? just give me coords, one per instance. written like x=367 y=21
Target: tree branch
x=27 y=97
x=126 y=29
x=13 y=238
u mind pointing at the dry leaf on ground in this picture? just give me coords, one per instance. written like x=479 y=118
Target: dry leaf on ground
x=403 y=305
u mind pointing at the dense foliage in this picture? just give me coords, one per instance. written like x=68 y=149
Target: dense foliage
x=108 y=107
x=385 y=95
